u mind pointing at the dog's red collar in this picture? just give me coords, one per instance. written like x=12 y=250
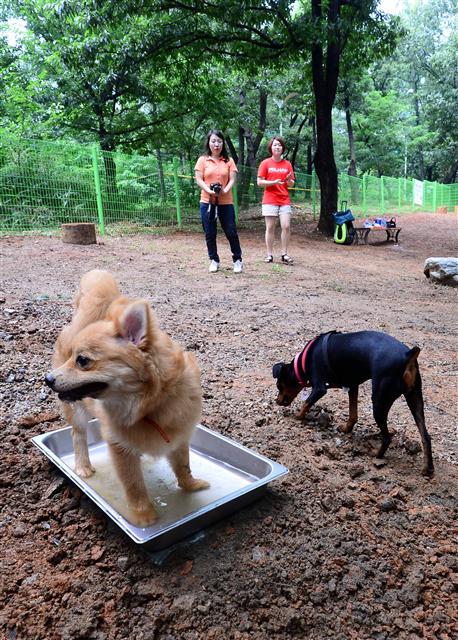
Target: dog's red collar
x=299 y=364
x=158 y=428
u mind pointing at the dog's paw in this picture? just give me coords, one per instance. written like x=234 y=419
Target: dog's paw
x=142 y=517
x=427 y=471
x=84 y=470
x=346 y=428
x=194 y=484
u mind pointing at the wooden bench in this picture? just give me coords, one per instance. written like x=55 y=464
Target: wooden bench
x=362 y=233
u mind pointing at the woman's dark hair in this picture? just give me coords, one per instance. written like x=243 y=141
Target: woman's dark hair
x=280 y=140
x=220 y=135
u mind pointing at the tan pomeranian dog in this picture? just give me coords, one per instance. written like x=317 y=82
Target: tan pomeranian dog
x=114 y=363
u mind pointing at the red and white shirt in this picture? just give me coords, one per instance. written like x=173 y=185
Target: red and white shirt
x=277 y=194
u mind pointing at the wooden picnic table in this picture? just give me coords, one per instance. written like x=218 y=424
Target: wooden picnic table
x=362 y=233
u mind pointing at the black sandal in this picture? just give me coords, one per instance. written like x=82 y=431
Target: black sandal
x=286 y=259
x=269 y=258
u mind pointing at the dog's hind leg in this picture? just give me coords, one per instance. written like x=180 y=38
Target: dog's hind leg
x=179 y=461
x=78 y=416
x=353 y=410
x=414 y=399
x=383 y=396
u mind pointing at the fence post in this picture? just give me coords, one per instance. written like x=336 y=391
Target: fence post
x=314 y=193
x=98 y=190
x=382 y=195
x=177 y=190
x=364 y=194
x=399 y=194
x=434 y=196
x=236 y=202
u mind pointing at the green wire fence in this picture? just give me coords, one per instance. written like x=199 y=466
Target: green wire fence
x=44 y=184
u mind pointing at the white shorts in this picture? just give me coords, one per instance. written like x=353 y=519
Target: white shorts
x=275 y=209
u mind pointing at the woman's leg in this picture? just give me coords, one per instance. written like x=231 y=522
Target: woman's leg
x=271 y=222
x=285 y=224
x=209 y=225
x=226 y=216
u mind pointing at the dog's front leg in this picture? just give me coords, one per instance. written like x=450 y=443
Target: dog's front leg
x=78 y=416
x=315 y=395
x=179 y=461
x=127 y=465
x=353 y=410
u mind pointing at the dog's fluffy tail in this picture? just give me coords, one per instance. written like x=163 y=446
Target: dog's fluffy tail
x=411 y=370
x=97 y=291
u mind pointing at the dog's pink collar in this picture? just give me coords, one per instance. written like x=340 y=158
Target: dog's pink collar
x=302 y=356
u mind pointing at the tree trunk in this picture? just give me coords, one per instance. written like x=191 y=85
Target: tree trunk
x=160 y=171
x=421 y=159
x=107 y=147
x=325 y=74
x=351 y=138
x=296 y=146
x=311 y=148
x=451 y=175
x=252 y=142
x=326 y=171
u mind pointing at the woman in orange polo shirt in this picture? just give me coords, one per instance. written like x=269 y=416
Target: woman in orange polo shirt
x=215 y=174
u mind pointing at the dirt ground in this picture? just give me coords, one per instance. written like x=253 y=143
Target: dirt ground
x=337 y=549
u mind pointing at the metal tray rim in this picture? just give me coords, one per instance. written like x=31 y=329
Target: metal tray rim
x=277 y=471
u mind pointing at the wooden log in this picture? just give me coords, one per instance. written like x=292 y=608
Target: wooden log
x=79 y=233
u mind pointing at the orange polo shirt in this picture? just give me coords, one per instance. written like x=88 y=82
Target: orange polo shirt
x=216 y=170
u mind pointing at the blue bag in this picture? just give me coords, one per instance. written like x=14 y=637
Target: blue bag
x=344 y=232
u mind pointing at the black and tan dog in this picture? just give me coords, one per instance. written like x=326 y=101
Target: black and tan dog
x=333 y=360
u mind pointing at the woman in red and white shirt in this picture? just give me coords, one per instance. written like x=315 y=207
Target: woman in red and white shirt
x=215 y=167
x=276 y=175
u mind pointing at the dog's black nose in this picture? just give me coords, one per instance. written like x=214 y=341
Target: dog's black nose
x=50 y=380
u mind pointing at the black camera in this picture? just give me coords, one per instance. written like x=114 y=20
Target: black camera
x=216 y=187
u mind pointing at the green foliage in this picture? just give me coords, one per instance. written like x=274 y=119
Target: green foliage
x=157 y=75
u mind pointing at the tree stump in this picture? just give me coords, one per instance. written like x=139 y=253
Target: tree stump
x=79 y=233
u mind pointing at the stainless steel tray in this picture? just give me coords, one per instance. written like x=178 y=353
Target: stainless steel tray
x=236 y=474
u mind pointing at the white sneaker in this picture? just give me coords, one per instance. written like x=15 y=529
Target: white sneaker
x=214 y=266
x=238 y=266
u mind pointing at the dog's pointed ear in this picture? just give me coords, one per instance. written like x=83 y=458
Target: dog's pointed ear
x=134 y=324
x=276 y=369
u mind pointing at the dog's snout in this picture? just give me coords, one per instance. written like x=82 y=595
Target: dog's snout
x=50 y=380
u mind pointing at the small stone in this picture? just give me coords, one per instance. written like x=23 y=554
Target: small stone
x=257 y=554
x=97 y=552
x=356 y=470
x=412 y=447
x=388 y=505
x=53 y=488
x=20 y=530
x=122 y=562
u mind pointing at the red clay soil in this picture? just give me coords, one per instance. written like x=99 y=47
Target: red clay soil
x=338 y=549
